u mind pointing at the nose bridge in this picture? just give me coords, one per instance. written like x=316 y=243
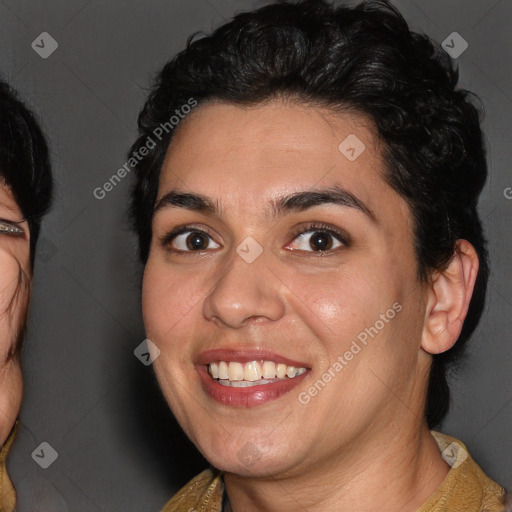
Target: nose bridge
x=244 y=289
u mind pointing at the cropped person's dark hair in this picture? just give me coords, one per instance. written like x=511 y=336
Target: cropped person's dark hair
x=366 y=60
x=25 y=169
x=24 y=161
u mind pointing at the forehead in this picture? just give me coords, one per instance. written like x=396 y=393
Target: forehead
x=242 y=155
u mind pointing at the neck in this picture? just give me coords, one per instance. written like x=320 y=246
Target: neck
x=398 y=472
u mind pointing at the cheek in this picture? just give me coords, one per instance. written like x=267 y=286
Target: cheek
x=342 y=301
x=354 y=313
x=14 y=291
x=8 y=277
x=168 y=298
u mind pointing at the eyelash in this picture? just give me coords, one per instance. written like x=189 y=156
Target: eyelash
x=6 y=225
x=312 y=227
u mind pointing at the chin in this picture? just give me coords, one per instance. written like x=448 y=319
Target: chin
x=249 y=459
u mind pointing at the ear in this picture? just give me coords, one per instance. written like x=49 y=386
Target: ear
x=449 y=295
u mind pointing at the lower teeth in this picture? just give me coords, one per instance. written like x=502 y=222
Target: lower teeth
x=246 y=383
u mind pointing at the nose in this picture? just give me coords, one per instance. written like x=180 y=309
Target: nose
x=244 y=292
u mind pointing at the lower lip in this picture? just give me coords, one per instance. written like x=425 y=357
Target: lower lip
x=251 y=396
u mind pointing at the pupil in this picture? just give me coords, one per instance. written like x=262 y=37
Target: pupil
x=196 y=241
x=321 y=241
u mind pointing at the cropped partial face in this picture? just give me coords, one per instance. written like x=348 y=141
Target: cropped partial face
x=14 y=295
x=281 y=287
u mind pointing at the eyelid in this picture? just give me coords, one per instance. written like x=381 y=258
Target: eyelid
x=8 y=227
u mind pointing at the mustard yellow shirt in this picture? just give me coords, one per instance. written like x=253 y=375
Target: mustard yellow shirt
x=7 y=493
x=466 y=488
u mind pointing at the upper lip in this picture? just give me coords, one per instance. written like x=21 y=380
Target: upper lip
x=245 y=355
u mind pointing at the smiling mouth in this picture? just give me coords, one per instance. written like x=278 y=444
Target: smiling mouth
x=252 y=373
x=248 y=378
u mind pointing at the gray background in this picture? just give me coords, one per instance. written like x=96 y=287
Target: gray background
x=86 y=394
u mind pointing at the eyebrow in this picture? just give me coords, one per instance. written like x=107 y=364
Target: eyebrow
x=295 y=202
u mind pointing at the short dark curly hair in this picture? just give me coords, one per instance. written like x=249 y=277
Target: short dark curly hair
x=367 y=60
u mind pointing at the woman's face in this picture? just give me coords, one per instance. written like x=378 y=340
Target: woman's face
x=14 y=295
x=289 y=254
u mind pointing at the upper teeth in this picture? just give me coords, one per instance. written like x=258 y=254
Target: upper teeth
x=252 y=371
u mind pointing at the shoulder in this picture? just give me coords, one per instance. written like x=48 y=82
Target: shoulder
x=7 y=492
x=466 y=487
x=202 y=494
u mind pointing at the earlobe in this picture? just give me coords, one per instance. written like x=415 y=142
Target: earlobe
x=448 y=299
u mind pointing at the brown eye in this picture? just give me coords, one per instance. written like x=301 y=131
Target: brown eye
x=316 y=240
x=321 y=241
x=190 y=240
x=197 y=241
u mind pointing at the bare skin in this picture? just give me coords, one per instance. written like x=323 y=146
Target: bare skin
x=14 y=257
x=361 y=443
